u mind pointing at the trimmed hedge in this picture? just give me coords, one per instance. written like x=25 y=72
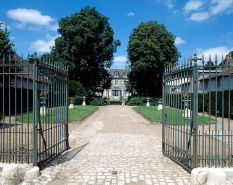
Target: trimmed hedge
x=141 y=101
x=209 y=101
x=98 y=102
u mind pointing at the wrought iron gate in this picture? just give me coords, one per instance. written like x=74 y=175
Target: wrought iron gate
x=34 y=110
x=197 y=113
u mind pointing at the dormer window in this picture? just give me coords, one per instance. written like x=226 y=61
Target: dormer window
x=125 y=74
x=116 y=73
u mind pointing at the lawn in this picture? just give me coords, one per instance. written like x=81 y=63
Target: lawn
x=77 y=114
x=154 y=115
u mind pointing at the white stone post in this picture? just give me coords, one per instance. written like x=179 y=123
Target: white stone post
x=10 y=175
x=84 y=101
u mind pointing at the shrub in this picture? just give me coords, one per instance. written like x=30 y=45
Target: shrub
x=174 y=100
x=98 y=102
x=141 y=101
x=75 y=88
x=79 y=100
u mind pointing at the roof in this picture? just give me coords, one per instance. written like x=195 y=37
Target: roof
x=121 y=71
x=225 y=72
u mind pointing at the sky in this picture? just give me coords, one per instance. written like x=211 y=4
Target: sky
x=201 y=26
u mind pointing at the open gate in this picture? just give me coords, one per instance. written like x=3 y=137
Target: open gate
x=34 y=110
x=197 y=113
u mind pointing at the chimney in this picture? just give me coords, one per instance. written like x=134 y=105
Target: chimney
x=230 y=55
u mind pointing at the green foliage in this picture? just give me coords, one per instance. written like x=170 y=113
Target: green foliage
x=75 y=88
x=141 y=101
x=209 y=102
x=222 y=110
x=79 y=100
x=209 y=66
x=98 y=102
x=5 y=43
x=6 y=48
x=87 y=45
x=150 y=48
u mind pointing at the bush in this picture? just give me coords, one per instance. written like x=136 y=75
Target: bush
x=141 y=101
x=173 y=100
x=79 y=100
x=75 y=88
x=98 y=102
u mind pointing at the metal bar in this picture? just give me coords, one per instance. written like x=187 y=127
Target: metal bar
x=195 y=114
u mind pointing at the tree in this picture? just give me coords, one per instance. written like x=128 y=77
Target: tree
x=150 y=48
x=5 y=43
x=209 y=66
x=87 y=45
x=76 y=89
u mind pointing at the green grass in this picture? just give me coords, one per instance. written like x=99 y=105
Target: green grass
x=154 y=115
x=77 y=114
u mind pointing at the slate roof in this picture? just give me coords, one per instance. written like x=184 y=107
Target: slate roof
x=120 y=70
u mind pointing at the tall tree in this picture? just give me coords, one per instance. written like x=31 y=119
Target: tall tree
x=6 y=48
x=150 y=48
x=87 y=45
x=5 y=43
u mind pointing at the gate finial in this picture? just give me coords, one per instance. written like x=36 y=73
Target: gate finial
x=195 y=59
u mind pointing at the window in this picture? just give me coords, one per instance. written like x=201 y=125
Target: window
x=116 y=73
x=125 y=74
x=116 y=82
x=123 y=82
x=116 y=92
x=218 y=83
x=206 y=84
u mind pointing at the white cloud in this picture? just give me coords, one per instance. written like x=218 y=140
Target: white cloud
x=32 y=17
x=168 y=3
x=179 y=41
x=29 y=16
x=215 y=7
x=131 y=14
x=222 y=5
x=120 y=61
x=219 y=51
x=176 y=11
x=199 y=16
x=192 y=5
x=54 y=27
x=43 y=46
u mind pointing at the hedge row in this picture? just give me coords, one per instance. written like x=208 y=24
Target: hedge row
x=141 y=101
x=174 y=100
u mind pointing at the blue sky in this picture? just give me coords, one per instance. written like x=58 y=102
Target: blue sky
x=202 y=26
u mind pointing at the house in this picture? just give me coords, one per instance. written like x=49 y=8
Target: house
x=117 y=90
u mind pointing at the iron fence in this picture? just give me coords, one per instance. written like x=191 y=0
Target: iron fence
x=33 y=110
x=198 y=113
